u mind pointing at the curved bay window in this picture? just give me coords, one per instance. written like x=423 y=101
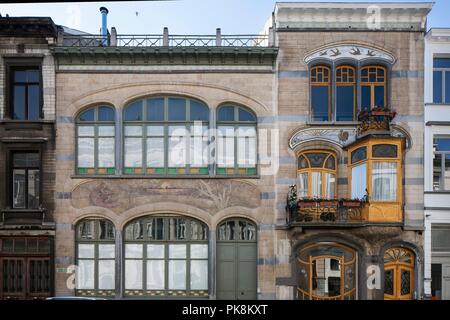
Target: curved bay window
x=327 y=271
x=95 y=141
x=373 y=87
x=320 y=93
x=398 y=274
x=95 y=258
x=236 y=141
x=345 y=93
x=166 y=256
x=317 y=175
x=166 y=135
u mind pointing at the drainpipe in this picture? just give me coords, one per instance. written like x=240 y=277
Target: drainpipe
x=104 y=13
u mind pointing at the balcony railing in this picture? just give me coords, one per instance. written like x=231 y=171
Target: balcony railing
x=377 y=120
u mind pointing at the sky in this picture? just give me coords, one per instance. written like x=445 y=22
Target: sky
x=180 y=16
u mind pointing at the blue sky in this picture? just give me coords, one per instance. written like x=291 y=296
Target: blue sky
x=181 y=16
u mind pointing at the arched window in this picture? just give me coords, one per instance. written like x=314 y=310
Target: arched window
x=317 y=175
x=166 y=256
x=327 y=271
x=95 y=141
x=95 y=252
x=345 y=93
x=166 y=135
x=398 y=274
x=236 y=141
x=321 y=93
x=373 y=87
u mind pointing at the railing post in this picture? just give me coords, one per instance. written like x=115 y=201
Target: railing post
x=218 y=37
x=271 y=37
x=113 y=42
x=166 y=37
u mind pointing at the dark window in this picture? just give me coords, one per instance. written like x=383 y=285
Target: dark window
x=226 y=114
x=25 y=179
x=155 y=109
x=441 y=164
x=437 y=87
x=441 y=80
x=345 y=93
x=359 y=154
x=384 y=151
x=133 y=112
x=25 y=93
x=436 y=281
x=320 y=93
x=373 y=87
x=177 y=109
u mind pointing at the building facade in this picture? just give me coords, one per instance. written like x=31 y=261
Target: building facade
x=436 y=148
x=27 y=157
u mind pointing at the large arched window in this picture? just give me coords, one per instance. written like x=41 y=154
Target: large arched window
x=95 y=252
x=236 y=141
x=321 y=93
x=317 y=175
x=166 y=256
x=166 y=135
x=95 y=141
x=373 y=87
x=345 y=93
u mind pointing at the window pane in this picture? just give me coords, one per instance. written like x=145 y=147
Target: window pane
x=316 y=180
x=226 y=114
x=133 y=112
x=384 y=151
x=447 y=87
x=177 y=228
x=133 y=251
x=302 y=188
x=244 y=115
x=106 y=251
x=199 y=251
x=199 y=275
x=19 y=103
x=366 y=104
x=442 y=144
x=86 y=229
x=155 y=152
x=177 y=109
x=20 y=76
x=199 y=111
x=437 y=86
x=86 y=251
x=155 y=229
x=133 y=274
x=155 y=109
x=447 y=172
x=105 y=114
x=107 y=230
x=155 y=275
x=247 y=231
x=225 y=146
x=87 y=115
x=86 y=131
x=134 y=231
x=106 y=152
x=133 y=152
x=177 y=146
x=246 y=147
x=320 y=103
x=33 y=103
x=33 y=188
x=227 y=231
x=384 y=181
x=106 y=274
x=33 y=75
x=85 y=152
x=359 y=181
x=155 y=251
x=177 y=274
x=106 y=131
x=133 y=131
x=379 y=96
x=441 y=63
x=359 y=154
x=19 y=188
x=198 y=231
x=330 y=185
x=437 y=172
x=316 y=159
x=85 y=274
x=345 y=103
x=155 y=131
x=21 y=159
x=177 y=251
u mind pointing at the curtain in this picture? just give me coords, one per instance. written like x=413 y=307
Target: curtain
x=359 y=181
x=330 y=185
x=384 y=181
x=316 y=184
x=302 y=187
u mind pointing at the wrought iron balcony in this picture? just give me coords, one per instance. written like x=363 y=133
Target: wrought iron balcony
x=375 y=121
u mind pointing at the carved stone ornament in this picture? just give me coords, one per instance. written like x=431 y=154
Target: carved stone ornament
x=338 y=136
x=356 y=52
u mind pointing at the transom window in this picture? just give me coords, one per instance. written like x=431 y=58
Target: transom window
x=25 y=92
x=96 y=258
x=95 y=141
x=25 y=171
x=236 y=230
x=441 y=80
x=320 y=93
x=236 y=141
x=317 y=175
x=166 y=256
x=441 y=164
x=166 y=135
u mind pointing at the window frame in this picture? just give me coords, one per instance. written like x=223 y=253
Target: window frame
x=11 y=178
x=321 y=170
x=444 y=72
x=442 y=186
x=372 y=84
x=353 y=83
x=327 y=84
x=96 y=124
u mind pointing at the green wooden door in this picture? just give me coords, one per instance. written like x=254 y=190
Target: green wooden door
x=236 y=261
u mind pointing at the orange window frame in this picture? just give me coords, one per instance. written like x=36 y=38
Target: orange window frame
x=324 y=73
x=380 y=81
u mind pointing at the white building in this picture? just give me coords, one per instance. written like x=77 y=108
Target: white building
x=437 y=164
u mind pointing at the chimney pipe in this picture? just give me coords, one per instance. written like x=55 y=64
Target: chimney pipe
x=104 y=13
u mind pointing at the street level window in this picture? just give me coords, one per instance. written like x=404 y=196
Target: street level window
x=236 y=141
x=25 y=93
x=95 y=141
x=25 y=180
x=95 y=258
x=441 y=80
x=441 y=164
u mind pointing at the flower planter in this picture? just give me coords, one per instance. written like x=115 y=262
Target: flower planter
x=351 y=204
x=307 y=204
x=329 y=203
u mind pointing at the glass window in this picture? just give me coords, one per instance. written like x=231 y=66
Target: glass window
x=384 y=181
x=438 y=93
x=26 y=180
x=26 y=93
x=96 y=141
x=359 y=181
x=95 y=258
x=441 y=164
x=320 y=93
x=236 y=230
x=441 y=80
x=345 y=93
x=236 y=141
x=373 y=87
x=384 y=151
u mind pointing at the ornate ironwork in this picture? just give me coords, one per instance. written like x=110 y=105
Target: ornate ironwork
x=375 y=120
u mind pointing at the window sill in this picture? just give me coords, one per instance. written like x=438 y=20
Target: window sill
x=161 y=176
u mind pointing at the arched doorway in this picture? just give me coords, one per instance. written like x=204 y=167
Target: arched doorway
x=327 y=271
x=166 y=256
x=398 y=274
x=236 y=260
